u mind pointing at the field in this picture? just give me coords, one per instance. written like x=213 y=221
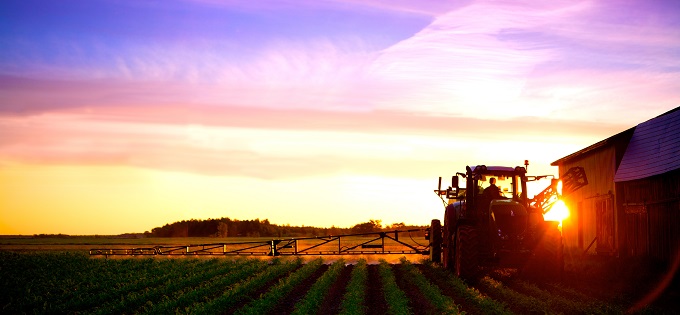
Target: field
x=73 y=282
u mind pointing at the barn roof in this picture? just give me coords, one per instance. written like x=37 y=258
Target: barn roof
x=654 y=148
x=604 y=143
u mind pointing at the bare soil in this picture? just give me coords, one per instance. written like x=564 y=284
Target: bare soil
x=463 y=304
x=418 y=303
x=287 y=304
x=375 y=297
x=333 y=300
x=256 y=294
x=632 y=285
x=635 y=284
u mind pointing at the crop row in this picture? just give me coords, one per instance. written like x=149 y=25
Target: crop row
x=75 y=283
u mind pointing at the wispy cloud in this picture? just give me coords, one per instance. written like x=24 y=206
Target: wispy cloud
x=489 y=56
x=623 y=96
x=502 y=59
x=320 y=74
x=459 y=62
x=424 y=7
x=282 y=144
x=477 y=71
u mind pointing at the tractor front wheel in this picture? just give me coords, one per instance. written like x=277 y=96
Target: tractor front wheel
x=436 y=241
x=449 y=236
x=448 y=249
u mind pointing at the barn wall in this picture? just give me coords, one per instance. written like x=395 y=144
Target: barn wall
x=652 y=216
x=592 y=208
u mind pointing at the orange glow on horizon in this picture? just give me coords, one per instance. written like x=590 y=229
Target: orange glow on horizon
x=106 y=200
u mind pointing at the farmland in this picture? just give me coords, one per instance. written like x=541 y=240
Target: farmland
x=73 y=282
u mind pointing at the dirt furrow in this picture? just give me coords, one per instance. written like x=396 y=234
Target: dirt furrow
x=464 y=304
x=375 y=297
x=256 y=294
x=417 y=301
x=331 y=303
x=287 y=304
x=517 y=302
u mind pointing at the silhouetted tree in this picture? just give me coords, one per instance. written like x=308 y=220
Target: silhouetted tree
x=225 y=227
x=222 y=229
x=367 y=227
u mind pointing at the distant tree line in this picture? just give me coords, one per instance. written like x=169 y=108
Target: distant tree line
x=51 y=235
x=226 y=227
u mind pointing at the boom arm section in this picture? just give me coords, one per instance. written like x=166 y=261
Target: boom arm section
x=572 y=180
x=386 y=242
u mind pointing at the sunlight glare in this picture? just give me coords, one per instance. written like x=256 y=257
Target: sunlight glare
x=559 y=188
x=558 y=212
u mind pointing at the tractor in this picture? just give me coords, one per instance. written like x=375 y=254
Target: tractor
x=491 y=222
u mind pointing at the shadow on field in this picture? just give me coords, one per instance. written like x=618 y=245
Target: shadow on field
x=638 y=284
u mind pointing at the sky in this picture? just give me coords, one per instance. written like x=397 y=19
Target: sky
x=121 y=116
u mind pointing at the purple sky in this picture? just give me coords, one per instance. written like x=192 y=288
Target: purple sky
x=288 y=95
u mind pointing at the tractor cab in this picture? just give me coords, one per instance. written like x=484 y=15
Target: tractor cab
x=490 y=220
x=498 y=205
x=490 y=192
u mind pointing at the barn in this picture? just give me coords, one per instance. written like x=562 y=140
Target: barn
x=631 y=206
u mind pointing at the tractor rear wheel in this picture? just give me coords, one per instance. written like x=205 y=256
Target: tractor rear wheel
x=467 y=253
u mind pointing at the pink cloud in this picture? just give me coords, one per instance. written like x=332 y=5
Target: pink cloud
x=623 y=96
x=486 y=71
x=492 y=58
x=265 y=143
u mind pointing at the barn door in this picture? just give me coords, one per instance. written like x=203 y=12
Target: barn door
x=604 y=218
x=636 y=229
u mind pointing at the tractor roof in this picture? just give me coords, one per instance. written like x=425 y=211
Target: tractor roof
x=491 y=169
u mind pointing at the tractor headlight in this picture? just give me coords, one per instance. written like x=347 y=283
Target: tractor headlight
x=558 y=212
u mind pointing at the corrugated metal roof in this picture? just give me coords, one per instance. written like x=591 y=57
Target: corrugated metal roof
x=654 y=148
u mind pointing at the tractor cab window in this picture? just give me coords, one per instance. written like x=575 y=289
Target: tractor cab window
x=519 y=193
x=504 y=185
